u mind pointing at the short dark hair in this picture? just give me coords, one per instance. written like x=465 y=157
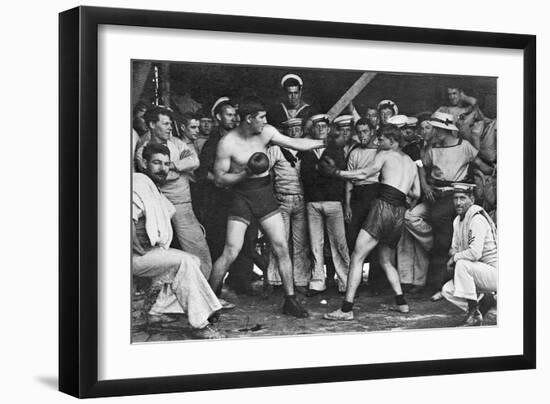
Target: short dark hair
x=154 y=148
x=362 y=121
x=153 y=114
x=250 y=106
x=391 y=132
x=188 y=117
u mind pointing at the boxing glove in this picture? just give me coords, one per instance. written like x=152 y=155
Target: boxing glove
x=258 y=163
x=327 y=166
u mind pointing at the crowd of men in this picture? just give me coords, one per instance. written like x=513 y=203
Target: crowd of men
x=325 y=193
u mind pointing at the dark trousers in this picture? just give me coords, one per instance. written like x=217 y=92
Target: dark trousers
x=442 y=214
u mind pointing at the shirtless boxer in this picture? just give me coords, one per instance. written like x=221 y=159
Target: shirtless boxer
x=384 y=223
x=241 y=163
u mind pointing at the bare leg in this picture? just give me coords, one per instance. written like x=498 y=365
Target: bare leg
x=274 y=228
x=233 y=245
x=386 y=254
x=364 y=244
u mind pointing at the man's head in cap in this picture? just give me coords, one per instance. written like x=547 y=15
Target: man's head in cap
x=464 y=197
x=387 y=109
x=443 y=124
x=320 y=126
x=292 y=84
x=409 y=130
x=224 y=113
x=342 y=127
x=293 y=127
x=364 y=132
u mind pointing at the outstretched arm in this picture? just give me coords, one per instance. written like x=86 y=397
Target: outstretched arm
x=300 y=144
x=366 y=172
x=222 y=165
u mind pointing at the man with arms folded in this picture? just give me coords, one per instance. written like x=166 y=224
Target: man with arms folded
x=384 y=224
x=183 y=161
x=175 y=274
x=473 y=255
x=242 y=164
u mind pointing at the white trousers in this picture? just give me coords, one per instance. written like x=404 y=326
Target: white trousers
x=188 y=292
x=470 y=279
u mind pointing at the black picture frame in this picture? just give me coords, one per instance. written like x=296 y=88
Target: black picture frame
x=78 y=200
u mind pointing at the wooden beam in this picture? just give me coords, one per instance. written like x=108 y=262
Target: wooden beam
x=349 y=95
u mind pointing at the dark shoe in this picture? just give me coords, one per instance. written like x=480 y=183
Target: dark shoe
x=215 y=317
x=301 y=290
x=416 y=289
x=291 y=307
x=487 y=303
x=313 y=292
x=473 y=319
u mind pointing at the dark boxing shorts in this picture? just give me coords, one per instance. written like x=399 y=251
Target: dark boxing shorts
x=253 y=198
x=386 y=218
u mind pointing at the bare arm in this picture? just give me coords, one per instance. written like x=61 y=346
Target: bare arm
x=300 y=144
x=222 y=165
x=468 y=99
x=484 y=167
x=363 y=173
x=347 y=205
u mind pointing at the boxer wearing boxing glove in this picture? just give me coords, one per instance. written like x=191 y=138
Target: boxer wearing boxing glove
x=258 y=163
x=240 y=162
x=327 y=166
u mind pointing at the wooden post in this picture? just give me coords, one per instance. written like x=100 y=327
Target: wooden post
x=349 y=95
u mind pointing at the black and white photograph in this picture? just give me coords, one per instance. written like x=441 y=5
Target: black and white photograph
x=272 y=201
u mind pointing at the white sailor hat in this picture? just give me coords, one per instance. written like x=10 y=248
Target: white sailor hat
x=411 y=121
x=291 y=76
x=218 y=102
x=319 y=118
x=293 y=122
x=463 y=188
x=398 y=120
x=388 y=104
x=443 y=121
x=343 y=120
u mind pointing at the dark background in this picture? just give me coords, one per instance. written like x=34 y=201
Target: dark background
x=413 y=93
